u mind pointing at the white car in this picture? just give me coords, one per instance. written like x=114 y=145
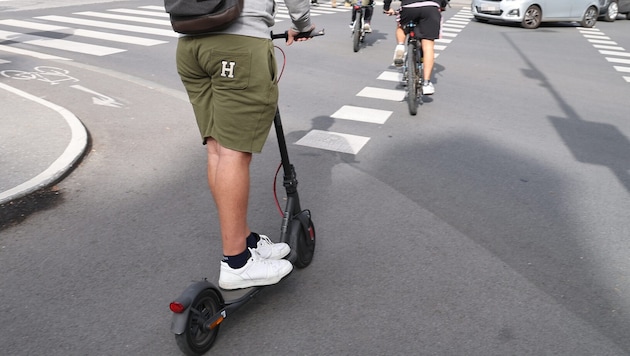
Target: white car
x=531 y=13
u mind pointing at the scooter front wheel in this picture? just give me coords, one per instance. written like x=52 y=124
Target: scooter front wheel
x=197 y=340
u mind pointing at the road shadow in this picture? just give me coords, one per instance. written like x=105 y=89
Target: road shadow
x=590 y=142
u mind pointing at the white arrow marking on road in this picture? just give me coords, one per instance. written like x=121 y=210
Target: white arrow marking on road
x=99 y=99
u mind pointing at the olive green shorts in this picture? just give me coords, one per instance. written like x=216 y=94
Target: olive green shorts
x=231 y=83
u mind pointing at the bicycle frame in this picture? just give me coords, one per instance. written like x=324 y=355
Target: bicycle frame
x=358 y=32
x=413 y=69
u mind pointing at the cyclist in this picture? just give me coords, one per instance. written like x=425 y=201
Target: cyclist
x=369 y=10
x=426 y=15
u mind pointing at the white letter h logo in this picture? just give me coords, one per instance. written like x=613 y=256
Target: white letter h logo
x=227 y=69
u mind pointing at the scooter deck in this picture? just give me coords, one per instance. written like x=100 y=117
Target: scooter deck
x=238 y=295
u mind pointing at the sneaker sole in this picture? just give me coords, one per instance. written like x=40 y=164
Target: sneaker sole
x=398 y=62
x=253 y=282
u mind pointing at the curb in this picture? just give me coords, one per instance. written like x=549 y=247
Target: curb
x=62 y=165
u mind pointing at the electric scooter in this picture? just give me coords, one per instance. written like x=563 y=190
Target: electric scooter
x=202 y=306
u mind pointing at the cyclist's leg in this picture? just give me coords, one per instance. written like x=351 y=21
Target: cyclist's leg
x=429 y=31
x=428 y=58
x=369 y=10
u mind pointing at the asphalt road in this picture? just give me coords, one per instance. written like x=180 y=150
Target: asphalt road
x=494 y=222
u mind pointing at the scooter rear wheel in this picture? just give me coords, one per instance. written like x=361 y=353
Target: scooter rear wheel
x=196 y=340
x=305 y=240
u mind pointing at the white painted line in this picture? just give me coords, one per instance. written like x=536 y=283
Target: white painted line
x=110 y=25
x=153 y=7
x=374 y=116
x=380 y=93
x=333 y=141
x=457 y=22
x=622 y=69
x=72 y=46
x=618 y=60
x=603 y=42
x=451 y=30
x=74 y=150
x=447 y=25
x=83 y=33
x=614 y=48
x=448 y=34
x=25 y=52
x=615 y=53
x=627 y=79
x=59 y=44
x=140 y=12
x=439 y=47
x=124 y=18
x=3 y=61
x=31 y=25
x=597 y=37
x=390 y=76
x=441 y=40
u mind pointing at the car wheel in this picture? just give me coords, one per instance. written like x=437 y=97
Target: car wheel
x=532 y=17
x=612 y=12
x=590 y=17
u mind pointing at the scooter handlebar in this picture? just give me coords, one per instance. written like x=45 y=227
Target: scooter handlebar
x=308 y=34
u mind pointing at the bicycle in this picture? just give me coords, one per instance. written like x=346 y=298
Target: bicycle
x=202 y=307
x=412 y=69
x=358 y=29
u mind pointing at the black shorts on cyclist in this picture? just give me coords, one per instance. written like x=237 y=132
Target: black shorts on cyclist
x=426 y=17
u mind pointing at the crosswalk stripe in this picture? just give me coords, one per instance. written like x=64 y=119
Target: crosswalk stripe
x=380 y=93
x=618 y=60
x=614 y=48
x=25 y=52
x=83 y=33
x=355 y=113
x=103 y=15
x=390 y=76
x=153 y=7
x=141 y=12
x=615 y=53
x=333 y=141
x=110 y=25
x=60 y=44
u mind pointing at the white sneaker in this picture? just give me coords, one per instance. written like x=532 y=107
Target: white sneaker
x=256 y=272
x=271 y=251
x=399 y=54
x=367 y=28
x=427 y=88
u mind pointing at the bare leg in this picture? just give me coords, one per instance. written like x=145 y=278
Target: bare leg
x=428 y=57
x=228 y=178
x=400 y=35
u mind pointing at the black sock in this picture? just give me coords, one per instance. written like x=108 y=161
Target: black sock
x=239 y=260
x=252 y=240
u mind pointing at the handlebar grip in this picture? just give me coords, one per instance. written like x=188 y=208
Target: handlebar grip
x=309 y=34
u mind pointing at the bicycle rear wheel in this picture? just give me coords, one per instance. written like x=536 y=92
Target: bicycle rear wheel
x=412 y=78
x=356 y=34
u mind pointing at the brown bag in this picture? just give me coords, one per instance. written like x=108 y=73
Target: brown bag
x=192 y=17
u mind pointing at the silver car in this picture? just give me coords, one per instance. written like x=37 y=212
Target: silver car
x=531 y=13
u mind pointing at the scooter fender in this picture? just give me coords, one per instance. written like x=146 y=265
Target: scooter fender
x=180 y=320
